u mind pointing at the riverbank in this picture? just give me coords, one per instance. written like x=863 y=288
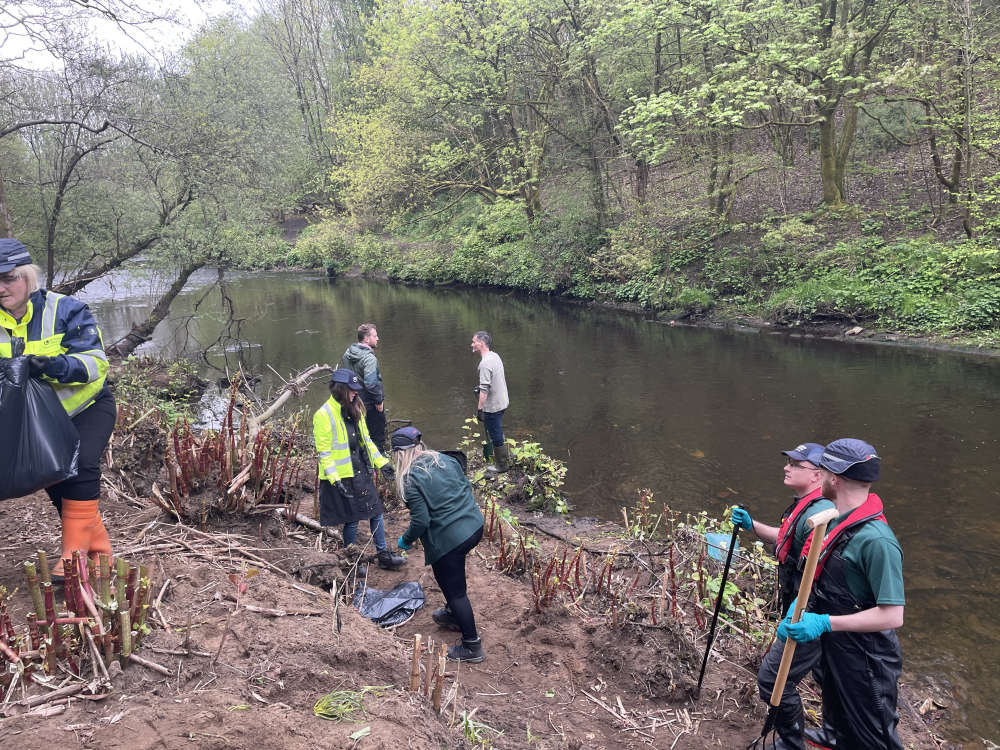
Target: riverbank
x=905 y=286
x=594 y=631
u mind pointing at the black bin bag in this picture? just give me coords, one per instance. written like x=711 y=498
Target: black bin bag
x=39 y=445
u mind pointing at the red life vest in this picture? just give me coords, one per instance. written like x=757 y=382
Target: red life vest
x=786 y=533
x=869 y=510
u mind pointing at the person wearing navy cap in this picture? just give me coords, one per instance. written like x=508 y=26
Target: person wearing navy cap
x=857 y=603
x=446 y=519
x=802 y=476
x=348 y=460
x=64 y=346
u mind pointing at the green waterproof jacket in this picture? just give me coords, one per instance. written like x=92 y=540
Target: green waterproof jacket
x=443 y=510
x=362 y=361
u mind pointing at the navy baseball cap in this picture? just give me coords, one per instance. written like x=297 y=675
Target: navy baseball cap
x=343 y=375
x=852 y=459
x=811 y=452
x=13 y=253
x=405 y=437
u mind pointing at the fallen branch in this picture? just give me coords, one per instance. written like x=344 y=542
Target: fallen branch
x=150 y=665
x=295 y=387
x=309 y=523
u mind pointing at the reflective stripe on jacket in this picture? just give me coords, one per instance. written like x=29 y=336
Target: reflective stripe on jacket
x=65 y=329
x=330 y=438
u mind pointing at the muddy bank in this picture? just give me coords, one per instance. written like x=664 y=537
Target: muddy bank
x=247 y=674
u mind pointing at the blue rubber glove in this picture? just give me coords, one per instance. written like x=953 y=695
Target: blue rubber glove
x=401 y=543
x=809 y=628
x=741 y=518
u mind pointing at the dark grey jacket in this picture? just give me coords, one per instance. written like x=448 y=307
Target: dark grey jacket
x=361 y=359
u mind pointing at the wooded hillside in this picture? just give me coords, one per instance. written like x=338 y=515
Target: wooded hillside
x=795 y=160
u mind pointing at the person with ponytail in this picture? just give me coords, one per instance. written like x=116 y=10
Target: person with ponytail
x=446 y=520
x=348 y=460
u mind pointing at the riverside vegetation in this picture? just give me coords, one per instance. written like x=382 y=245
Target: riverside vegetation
x=804 y=161
x=225 y=593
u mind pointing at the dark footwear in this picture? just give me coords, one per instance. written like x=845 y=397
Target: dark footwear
x=501 y=460
x=445 y=619
x=822 y=738
x=468 y=651
x=780 y=744
x=389 y=561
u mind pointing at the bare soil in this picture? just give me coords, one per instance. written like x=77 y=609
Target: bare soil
x=251 y=677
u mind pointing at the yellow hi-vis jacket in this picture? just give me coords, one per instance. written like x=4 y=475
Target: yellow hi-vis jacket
x=62 y=328
x=330 y=437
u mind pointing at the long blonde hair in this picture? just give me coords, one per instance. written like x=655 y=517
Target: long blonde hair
x=404 y=460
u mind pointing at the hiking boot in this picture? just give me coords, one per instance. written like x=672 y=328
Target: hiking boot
x=445 y=619
x=389 y=561
x=823 y=738
x=468 y=651
x=501 y=460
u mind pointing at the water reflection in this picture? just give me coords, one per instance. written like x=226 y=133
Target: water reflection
x=698 y=416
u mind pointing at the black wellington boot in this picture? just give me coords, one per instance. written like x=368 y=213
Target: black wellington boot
x=788 y=724
x=470 y=651
x=824 y=738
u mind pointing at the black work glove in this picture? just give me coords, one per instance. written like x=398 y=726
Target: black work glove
x=37 y=365
x=343 y=490
x=480 y=417
x=388 y=472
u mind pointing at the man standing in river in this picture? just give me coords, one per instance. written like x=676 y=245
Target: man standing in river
x=856 y=605
x=803 y=477
x=493 y=399
x=360 y=358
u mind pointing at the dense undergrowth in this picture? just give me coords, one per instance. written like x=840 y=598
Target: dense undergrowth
x=848 y=267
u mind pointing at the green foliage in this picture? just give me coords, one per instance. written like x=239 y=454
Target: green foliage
x=325 y=245
x=543 y=477
x=346 y=705
x=172 y=388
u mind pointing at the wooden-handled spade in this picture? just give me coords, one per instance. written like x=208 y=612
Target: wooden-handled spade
x=818 y=524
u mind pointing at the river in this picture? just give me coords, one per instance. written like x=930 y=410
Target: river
x=698 y=416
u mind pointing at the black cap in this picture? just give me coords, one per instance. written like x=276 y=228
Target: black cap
x=852 y=459
x=343 y=375
x=13 y=253
x=405 y=437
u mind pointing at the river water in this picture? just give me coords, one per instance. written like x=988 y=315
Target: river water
x=698 y=416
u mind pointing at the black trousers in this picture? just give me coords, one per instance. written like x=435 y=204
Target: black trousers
x=449 y=572
x=95 y=425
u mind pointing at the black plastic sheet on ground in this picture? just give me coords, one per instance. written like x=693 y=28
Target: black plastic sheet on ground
x=39 y=445
x=388 y=608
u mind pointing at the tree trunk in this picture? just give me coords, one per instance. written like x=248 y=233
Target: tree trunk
x=832 y=194
x=6 y=226
x=141 y=332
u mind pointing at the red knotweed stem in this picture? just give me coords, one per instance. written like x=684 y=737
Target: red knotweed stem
x=634 y=582
x=50 y=617
x=503 y=547
x=33 y=635
x=182 y=480
x=62 y=621
x=562 y=565
x=9 y=653
x=130 y=585
x=579 y=556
